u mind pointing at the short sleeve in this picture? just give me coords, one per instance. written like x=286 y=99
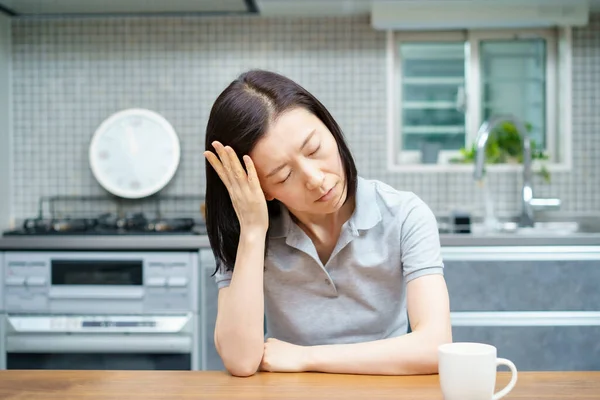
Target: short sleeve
x=420 y=242
x=222 y=277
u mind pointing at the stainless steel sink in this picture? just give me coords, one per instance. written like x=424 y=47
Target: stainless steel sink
x=549 y=224
x=540 y=228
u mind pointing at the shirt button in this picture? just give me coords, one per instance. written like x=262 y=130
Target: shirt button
x=327 y=281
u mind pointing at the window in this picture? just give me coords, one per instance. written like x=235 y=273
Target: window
x=444 y=85
x=433 y=83
x=514 y=80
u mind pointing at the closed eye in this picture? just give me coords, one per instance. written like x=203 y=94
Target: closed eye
x=317 y=149
x=286 y=178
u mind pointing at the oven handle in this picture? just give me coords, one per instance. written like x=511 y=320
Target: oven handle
x=99 y=343
x=96 y=293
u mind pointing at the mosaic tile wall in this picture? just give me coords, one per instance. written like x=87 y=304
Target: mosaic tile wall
x=69 y=75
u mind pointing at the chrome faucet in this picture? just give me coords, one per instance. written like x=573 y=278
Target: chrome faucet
x=528 y=203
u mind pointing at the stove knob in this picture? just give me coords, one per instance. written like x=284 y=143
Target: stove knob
x=15 y=281
x=36 y=281
x=178 y=281
x=156 y=281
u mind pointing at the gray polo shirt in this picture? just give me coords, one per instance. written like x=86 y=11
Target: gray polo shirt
x=360 y=293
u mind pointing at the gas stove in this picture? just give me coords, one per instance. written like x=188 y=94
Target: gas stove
x=109 y=223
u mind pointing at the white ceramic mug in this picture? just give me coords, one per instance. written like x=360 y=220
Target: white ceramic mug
x=467 y=371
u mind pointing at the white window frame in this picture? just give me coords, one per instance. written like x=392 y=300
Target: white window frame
x=558 y=108
x=475 y=37
x=412 y=157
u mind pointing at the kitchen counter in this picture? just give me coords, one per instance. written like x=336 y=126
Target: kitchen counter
x=195 y=242
x=466 y=240
x=97 y=385
x=109 y=242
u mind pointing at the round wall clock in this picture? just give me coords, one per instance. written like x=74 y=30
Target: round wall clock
x=134 y=153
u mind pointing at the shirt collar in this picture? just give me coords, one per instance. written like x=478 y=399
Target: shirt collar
x=366 y=211
x=365 y=216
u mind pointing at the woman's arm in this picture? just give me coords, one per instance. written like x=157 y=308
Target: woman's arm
x=411 y=354
x=414 y=353
x=239 y=330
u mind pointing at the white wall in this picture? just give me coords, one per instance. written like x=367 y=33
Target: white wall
x=5 y=122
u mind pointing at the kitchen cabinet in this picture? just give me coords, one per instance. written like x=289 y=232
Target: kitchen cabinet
x=539 y=348
x=538 y=305
x=523 y=285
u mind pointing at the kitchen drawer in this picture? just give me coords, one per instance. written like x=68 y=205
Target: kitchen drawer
x=539 y=348
x=505 y=279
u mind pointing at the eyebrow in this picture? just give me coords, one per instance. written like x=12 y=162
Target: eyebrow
x=276 y=170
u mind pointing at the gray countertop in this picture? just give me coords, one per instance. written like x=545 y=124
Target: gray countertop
x=465 y=240
x=195 y=242
x=133 y=242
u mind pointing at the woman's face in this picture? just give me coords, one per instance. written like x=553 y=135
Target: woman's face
x=299 y=164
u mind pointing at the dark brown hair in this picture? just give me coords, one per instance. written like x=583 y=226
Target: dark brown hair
x=239 y=118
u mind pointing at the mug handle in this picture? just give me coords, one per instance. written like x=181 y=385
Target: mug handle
x=513 y=379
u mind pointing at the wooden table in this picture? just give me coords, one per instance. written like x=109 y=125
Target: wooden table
x=96 y=385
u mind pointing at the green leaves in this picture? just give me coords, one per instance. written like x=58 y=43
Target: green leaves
x=505 y=146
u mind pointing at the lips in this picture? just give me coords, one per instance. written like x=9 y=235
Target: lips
x=326 y=195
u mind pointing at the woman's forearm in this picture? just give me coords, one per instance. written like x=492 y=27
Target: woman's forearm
x=239 y=331
x=411 y=354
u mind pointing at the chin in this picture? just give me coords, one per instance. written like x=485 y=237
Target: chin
x=337 y=204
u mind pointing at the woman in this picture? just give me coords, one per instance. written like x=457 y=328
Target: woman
x=335 y=261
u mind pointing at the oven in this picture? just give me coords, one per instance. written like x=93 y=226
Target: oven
x=101 y=310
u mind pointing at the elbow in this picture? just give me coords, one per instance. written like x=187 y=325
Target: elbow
x=241 y=361
x=240 y=365
x=242 y=368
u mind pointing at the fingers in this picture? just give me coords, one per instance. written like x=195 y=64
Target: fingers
x=228 y=166
x=224 y=158
x=224 y=161
x=217 y=166
x=237 y=171
x=252 y=175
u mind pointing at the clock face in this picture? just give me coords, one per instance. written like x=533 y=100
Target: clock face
x=134 y=153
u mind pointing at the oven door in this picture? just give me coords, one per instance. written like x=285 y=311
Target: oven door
x=38 y=342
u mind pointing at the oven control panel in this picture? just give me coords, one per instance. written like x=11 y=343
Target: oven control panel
x=22 y=273
x=114 y=282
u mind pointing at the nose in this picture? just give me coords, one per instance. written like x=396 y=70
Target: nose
x=314 y=177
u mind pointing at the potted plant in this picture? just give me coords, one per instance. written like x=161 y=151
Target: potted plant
x=505 y=146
